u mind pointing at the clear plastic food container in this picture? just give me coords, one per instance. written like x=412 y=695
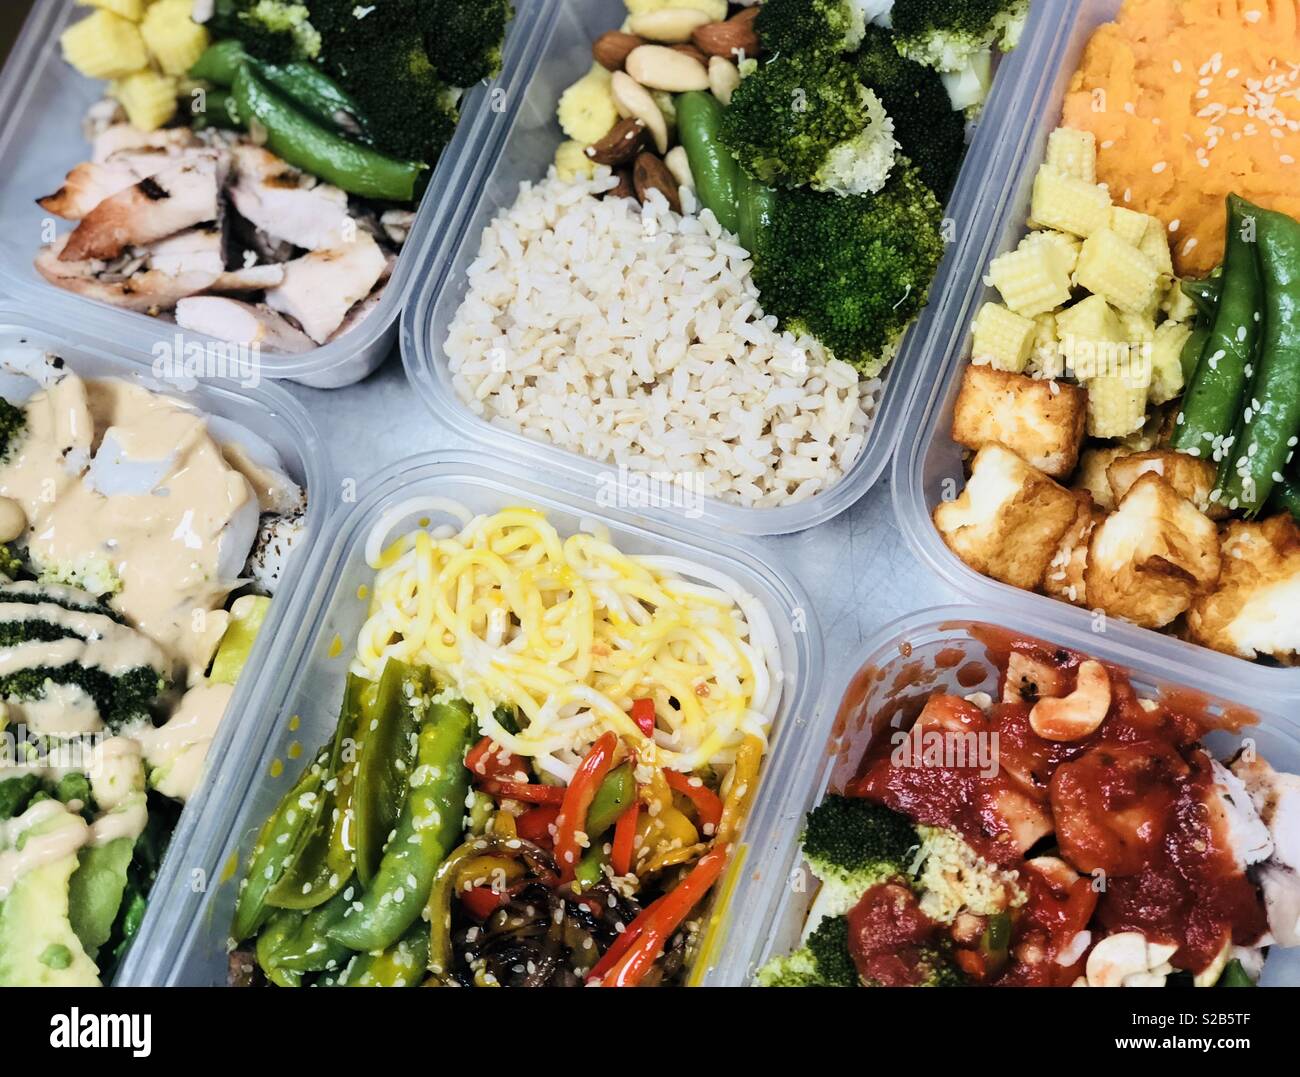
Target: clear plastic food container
x=928 y=465
x=526 y=153
x=269 y=415
x=43 y=100
x=939 y=650
x=298 y=694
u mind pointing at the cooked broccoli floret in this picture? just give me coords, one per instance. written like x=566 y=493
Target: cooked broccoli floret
x=275 y=30
x=936 y=968
x=94 y=574
x=380 y=58
x=120 y=699
x=930 y=132
x=12 y=564
x=947 y=34
x=853 y=272
x=66 y=598
x=788 y=26
x=823 y=961
x=808 y=119
x=13 y=423
x=464 y=39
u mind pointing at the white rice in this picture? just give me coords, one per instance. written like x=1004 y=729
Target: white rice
x=634 y=336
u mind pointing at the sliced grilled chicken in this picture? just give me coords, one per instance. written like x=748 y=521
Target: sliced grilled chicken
x=321 y=287
x=194 y=250
x=358 y=314
x=186 y=193
x=122 y=136
x=288 y=204
x=240 y=323
x=151 y=291
x=250 y=279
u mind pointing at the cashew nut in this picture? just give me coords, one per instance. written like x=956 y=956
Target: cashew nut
x=633 y=99
x=1055 y=870
x=1127 y=959
x=1081 y=712
x=671 y=25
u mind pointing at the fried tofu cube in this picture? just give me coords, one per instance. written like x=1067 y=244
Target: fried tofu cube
x=1074 y=152
x=1190 y=476
x=1041 y=421
x=1008 y=522
x=1255 y=609
x=1153 y=556
x=1067 y=203
x=1092 y=474
x=1113 y=268
x=1033 y=278
x=1066 y=576
x=1002 y=338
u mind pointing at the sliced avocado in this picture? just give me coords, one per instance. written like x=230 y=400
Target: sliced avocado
x=38 y=947
x=246 y=617
x=95 y=891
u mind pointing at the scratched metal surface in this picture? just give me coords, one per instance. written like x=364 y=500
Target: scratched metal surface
x=857 y=568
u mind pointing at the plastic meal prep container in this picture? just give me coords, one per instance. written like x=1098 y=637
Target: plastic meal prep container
x=268 y=414
x=900 y=670
x=929 y=464
x=300 y=692
x=526 y=153
x=43 y=100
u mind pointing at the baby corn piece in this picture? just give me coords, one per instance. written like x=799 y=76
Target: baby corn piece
x=175 y=40
x=1002 y=337
x=1128 y=224
x=1116 y=270
x=1067 y=203
x=128 y=9
x=1073 y=152
x=1032 y=279
x=148 y=97
x=104 y=46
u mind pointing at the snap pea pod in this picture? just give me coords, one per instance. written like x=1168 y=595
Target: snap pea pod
x=1286 y=497
x=218 y=111
x=1191 y=353
x=340 y=857
x=317 y=870
x=401 y=965
x=220 y=63
x=274 y=936
x=1269 y=428
x=298 y=139
x=1234 y=976
x=757 y=204
x=280 y=833
x=612 y=798
x=429 y=828
x=714 y=170
x=385 y=753
x=1204 y=293
x=308 y=947
x=1212 y=402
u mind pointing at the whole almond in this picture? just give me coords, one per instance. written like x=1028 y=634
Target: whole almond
x=692 y=52
x=625 y=188
x=730 y=39
x=611 y=49
x=667 y=25
x=633 y=99
x=660 y=68
x=625 y=139
x=651 y=174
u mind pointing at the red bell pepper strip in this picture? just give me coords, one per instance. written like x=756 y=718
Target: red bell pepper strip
x=643 y=714
x=623 y=847
x=623 y=943
x=707 y=804
x=535 y=824
x=666 y=916
x=487 y=759
x=529 y=794
x=482 y=901
x=572 y=819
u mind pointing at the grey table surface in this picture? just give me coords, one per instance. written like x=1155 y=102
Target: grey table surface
x=858 y=569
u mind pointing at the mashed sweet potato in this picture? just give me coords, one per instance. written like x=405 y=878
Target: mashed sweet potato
x=1191 y=100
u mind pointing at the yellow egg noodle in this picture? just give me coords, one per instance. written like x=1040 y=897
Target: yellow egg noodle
x=570 y=631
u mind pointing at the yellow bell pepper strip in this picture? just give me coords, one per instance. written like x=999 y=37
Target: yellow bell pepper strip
x=246 y=617
x=572 y=819
x=740 y=793
x=428 y=829
x=707 y=805
x=648 y=934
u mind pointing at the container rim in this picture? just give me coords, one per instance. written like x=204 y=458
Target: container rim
x=247 y=760
x=37 y=46
x=761 y=892
x=426 y=368
x=947 y=334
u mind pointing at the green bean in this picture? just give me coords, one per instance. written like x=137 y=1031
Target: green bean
x=1234 y=975
x=281 y=833
x=713 y=169
x=1212 y=402
x=1269 y=428
x=302 y=142
x=429 y=828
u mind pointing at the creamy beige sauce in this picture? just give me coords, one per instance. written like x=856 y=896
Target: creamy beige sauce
x=163 y=544
x=176 y=751
x=59 y=842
